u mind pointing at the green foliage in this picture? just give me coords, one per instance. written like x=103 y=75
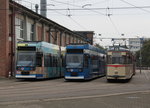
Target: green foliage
x=145 y=53
x=99 y=46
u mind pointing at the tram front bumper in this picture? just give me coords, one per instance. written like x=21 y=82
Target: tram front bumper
x=74 y=77
x=25 y=76
x=116 y=77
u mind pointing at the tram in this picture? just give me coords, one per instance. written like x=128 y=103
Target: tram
x=39 y=60
x=84 y=62
x=120 y=63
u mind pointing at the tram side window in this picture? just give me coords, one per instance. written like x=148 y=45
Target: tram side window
x=55 y=61
x=95 y=62
x=50 y=61
x=129 y=59
x=47 y=60
x=63 y=61
x=39 y=59
x=124 y=60
x=86 y=57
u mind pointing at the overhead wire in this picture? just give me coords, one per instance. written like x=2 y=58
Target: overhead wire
x=93 y=9
x=77 y=23
x=100 y=2
x=59 y=12
x=76 y=6
x=109 y=14
x=134 y=6
x=65 y=3
x=140 y=7
x=70 y=17
x=114 y=25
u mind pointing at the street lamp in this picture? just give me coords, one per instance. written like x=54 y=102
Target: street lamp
x=140 y=58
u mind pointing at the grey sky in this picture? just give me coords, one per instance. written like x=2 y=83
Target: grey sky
x=130 y=22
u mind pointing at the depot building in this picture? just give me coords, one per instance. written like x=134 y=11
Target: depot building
x=18 y=23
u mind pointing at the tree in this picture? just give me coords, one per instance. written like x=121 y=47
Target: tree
x=145 y=54
x=99 y=46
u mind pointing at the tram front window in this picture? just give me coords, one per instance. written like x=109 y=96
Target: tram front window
x=118 y=60
x=74 y=61
x=26 y=59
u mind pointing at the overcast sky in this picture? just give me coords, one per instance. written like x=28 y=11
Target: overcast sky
x=81 y=15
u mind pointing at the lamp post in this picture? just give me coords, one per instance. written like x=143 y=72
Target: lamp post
x=140 y=58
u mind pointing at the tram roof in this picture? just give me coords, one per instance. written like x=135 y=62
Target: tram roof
x=42 y=46
x=35 y=43
x=85 y=46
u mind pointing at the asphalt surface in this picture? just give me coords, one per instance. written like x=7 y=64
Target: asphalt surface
x=58 y=93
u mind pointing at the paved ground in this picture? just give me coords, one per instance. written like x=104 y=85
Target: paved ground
x=58 y=93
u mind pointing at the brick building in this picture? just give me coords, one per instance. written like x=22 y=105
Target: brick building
x=20 y=23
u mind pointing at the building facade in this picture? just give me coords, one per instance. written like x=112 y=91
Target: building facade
x=135 y=44
x=18 y=23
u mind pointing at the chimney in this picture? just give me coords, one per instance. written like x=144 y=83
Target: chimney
x=36 y=8
x=43 y=5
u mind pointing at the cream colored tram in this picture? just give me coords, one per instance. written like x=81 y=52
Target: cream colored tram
x=120 y=63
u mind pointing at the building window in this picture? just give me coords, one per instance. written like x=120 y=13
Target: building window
x=19 y=28
x=30 y=31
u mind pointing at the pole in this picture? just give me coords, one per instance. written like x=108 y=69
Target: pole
x=60 y=59
x=140 y=58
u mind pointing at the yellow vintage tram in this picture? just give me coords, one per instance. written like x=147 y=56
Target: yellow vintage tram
x=120 y=63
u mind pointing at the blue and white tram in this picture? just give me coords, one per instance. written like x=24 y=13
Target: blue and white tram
x=39 y=60
x=84 y=62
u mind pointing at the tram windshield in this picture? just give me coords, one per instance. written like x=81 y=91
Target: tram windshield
x=116 y=60
x=74 y=60
x=26 y=59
